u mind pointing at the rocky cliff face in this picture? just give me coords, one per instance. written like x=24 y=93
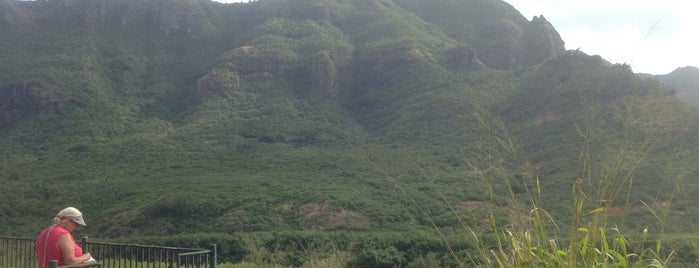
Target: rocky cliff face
x=182 y=16
x=526 y=45
x=14 y=16
x=538 y=42
x=155 y=16
x=309 y=42
x=6 y=14
x=499 y=35
x=324 y=75
x=20 y=100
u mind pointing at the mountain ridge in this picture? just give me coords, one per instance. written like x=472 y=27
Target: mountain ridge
x=194 y=116
x=685 y=80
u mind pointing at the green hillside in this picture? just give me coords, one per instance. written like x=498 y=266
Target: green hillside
x=322 y=119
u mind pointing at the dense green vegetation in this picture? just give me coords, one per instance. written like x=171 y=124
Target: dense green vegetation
x=373 y=133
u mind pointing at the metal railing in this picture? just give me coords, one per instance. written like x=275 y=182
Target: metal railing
x=18 y=252
x=137 y=256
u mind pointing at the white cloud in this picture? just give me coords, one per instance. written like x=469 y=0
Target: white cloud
x=652 y=36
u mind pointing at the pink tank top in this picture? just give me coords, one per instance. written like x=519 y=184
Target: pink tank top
x=52 y=250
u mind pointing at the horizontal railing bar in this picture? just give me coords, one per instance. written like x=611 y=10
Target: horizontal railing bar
x=18 y=238
x=144 y=246
x=113 y=244
x=97 y=264
x=206 y=251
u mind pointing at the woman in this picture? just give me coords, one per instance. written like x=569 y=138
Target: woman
x=56 y=242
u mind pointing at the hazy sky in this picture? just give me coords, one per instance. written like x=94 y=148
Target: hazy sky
x=652 y=36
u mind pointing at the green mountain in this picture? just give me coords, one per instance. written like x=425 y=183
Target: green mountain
x=685 y=81
x=163 y=117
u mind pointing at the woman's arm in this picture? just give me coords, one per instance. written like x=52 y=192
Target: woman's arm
x=67 y=247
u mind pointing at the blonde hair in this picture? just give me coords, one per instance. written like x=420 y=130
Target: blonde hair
x=57 y=220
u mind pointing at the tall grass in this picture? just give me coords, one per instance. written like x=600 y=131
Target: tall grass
x=618 y=140
x=531 y=235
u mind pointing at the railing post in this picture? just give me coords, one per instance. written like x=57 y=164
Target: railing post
x=53 y=264
x=83 y=242
x=213 y=255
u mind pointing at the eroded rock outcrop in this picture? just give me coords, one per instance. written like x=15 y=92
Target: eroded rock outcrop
x=242 y=62
x=539 y=41
x=182 y=16
x=324 y=75
x=20 y=100
x=152 y=16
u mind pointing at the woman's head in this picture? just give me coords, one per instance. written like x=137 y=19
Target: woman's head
x=69 y=214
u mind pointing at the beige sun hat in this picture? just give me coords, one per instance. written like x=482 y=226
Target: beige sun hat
x=73 y=214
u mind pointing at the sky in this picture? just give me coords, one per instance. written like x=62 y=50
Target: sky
x=652 y=36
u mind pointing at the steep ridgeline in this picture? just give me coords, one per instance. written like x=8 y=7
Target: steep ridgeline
x=502 y=37
x=158 y=32
x=170 y=116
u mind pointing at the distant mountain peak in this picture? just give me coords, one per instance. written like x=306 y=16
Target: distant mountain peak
x=685 y=80
x=687 y=69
